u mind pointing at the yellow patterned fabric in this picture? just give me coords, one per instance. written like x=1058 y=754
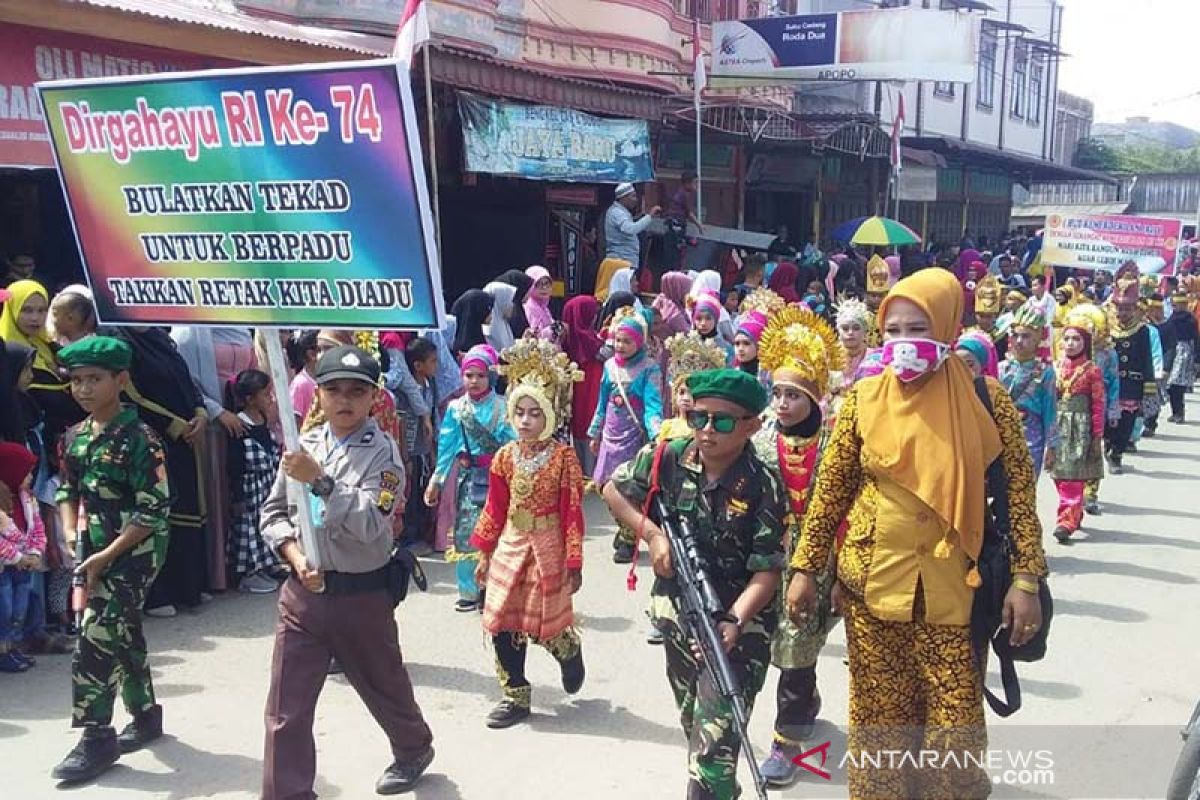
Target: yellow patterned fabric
x=848 y=487
x=914 y=689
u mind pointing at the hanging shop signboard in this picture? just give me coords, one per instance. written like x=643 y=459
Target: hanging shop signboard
x=551 y=143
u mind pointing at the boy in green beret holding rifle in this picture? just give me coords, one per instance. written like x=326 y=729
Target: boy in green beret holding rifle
x=734 y=506
x=114 y=495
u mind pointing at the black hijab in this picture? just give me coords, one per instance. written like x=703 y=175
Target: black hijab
x=523 y=283
x=159 y=373
x=470 y=310
x=18 y=413
x=615 y=302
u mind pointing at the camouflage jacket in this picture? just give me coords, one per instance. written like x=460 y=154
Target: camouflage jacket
x=737 y=520
x=118 y=476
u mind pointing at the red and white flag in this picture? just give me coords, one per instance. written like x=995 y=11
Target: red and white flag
x=699 y=76
x=897 y=131
x=413 y=31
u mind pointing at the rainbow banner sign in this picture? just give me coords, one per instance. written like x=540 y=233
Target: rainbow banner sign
x=287 y=196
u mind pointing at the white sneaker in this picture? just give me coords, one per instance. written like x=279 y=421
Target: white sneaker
x=257 y=584
x=205 y=597
x=163 y=612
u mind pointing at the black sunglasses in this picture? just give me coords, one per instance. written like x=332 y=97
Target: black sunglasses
x=721 y=423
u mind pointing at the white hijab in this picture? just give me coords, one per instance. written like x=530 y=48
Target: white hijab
x=499 y=332
x=622 y=281
x=710 y=281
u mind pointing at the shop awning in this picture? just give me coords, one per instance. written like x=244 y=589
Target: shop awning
x=1030 y=214
x=1023 y=168
x=498 y=78
x=224 y=15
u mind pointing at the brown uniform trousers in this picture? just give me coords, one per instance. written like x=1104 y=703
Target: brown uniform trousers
x=360 y=630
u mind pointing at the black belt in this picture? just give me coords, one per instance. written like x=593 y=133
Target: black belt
x=356 y=582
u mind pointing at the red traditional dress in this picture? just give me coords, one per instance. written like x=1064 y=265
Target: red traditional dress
x=532 y=528
x=1081 y=419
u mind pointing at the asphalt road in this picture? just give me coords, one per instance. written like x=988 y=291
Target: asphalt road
x=1103 y=708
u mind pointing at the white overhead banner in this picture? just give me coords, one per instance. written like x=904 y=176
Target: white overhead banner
x=901 y=44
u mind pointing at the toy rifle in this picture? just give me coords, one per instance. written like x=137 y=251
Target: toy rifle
x=699 y=612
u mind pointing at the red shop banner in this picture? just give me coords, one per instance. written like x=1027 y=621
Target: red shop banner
x=29 y=55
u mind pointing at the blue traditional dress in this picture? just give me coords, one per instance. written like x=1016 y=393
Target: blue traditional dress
x=628 y=414
x=471 y=433
x=1031 y=385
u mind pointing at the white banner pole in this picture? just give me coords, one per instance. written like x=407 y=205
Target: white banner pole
x=297 y=492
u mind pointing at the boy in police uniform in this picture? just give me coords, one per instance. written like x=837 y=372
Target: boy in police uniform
x=114 y=497
x=351 y=471
x=735 y=506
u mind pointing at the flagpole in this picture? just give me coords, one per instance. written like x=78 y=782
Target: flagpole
x=699 y=182
x=435 y=193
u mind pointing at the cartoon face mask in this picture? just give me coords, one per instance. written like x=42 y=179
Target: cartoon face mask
x=912 y=358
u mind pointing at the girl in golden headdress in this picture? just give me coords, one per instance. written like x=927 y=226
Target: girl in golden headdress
x=530 y=532
x=907 y=463
x=799 y=351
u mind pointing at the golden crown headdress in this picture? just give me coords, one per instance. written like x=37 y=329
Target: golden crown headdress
x=537 y=368
x=988 y=295
x=879 y=275
x=1092 y=318
x=764 y=300
x=689 y=353
x=805 y=346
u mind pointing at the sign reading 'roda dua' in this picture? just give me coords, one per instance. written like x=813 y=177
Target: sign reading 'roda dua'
x=256 y=197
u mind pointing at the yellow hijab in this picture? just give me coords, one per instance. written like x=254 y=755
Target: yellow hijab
x=608 y=268
x=933 y=437
x=43 y=358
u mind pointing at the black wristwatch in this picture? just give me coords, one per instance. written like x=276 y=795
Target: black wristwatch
x=322 y=487
x=730 y=617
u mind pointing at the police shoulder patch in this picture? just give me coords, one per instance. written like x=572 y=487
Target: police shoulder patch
x=389 y=480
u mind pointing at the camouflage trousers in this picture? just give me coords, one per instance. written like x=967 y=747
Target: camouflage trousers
x=510 y=649
x=707 y=718
x=112 y=650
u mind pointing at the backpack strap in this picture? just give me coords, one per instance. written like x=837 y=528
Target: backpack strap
x=997 y=492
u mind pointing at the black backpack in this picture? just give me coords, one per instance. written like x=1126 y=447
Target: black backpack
x=995 y=569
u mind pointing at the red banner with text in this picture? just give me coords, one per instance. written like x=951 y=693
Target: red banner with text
x=29 y=55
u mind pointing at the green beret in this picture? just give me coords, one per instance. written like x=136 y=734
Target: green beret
x=733 y=385
x=97 y=351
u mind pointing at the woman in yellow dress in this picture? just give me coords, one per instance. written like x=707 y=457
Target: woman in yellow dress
x=906 y=464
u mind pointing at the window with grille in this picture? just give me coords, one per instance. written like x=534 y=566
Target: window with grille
x=1036 y=76
x=986 y=78
x=943 y=89
x=1019 y=82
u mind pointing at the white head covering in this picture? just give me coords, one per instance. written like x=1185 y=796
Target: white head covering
x=710 y=281
x=623 y=190
x=621 y=281
x=499 y=332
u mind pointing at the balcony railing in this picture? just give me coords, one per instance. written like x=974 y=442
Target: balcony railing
x=721 y=10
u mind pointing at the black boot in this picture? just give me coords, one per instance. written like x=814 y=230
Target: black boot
x=573 y=673
x=506 y=714
x=622 y=550
x=96 y=752
x=145 y=728
x=402 y=776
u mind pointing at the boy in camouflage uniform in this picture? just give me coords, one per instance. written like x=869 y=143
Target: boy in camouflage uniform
x=735 y=505
x=114 y=494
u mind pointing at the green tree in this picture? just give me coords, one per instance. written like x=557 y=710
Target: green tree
x=1095 y=154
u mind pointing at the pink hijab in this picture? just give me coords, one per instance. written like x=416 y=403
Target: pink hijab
x=671 y=305
x=537 y=309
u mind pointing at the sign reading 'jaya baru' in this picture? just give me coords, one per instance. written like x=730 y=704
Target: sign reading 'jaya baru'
x=550 y=143
x=252 y=197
